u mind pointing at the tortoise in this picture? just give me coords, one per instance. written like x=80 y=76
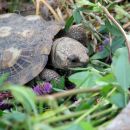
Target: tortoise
x=25 y=43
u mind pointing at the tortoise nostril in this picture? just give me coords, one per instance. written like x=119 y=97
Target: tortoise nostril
x=73 y=59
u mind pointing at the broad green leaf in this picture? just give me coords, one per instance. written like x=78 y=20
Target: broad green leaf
x=105 y=90
x=81 y=126
x=121 y=67
x=118 y=99
x=107 y=79
x=117 y=42
x=15 y=116
x=86 y=126
x=113 y=29
x=74 y=127
x=85 y=78
x=102 y=29
x=101 y=55
x=77 y=16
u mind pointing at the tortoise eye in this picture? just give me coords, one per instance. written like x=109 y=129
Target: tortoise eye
x=73 y=58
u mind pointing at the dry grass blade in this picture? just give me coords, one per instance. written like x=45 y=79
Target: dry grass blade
x=126 y=25
x=49 y=7
x=37 y=7
x=60 y=14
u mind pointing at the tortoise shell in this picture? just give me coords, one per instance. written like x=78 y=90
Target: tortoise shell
x=25 y=43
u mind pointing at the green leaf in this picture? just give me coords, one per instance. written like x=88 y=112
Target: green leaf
x=101 y=55
x=118 y=99
x=3 y=78
x=120 y=12
x=121 y=67
x=107 y=79
x=86 y=126
x=69 y=22
x=85 y=2
x=97 y=9
x=85 y=78
x=74 y=127
x=117 y=42
x=86 y=104
x=105 y=90
x=102 y=29
x=25 y=96
x=113 y=29
x=41 y=126
x=1 y=113
x=58 y=85
x=77 y=16
x=81 y=126
x=15 y=116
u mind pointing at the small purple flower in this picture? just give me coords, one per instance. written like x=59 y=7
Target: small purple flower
x=106 y=41
x=5 y=106
x=47 y=87
x=100 y=48
x=42 y=89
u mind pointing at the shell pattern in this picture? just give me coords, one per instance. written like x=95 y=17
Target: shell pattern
x=25 y=43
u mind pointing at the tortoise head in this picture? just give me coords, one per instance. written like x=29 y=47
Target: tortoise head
x=67 y=53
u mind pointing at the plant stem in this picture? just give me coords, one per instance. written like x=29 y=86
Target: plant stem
x=86 y=114
x=65 y=117
x=118 y=25
x=102 y=112
x=67 y=93
x=55 y=112
x=104 y=119
x=99 y=121
x=76 y=114
x=100 y=62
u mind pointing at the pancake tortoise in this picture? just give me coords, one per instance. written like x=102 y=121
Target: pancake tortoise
x=26 y=42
